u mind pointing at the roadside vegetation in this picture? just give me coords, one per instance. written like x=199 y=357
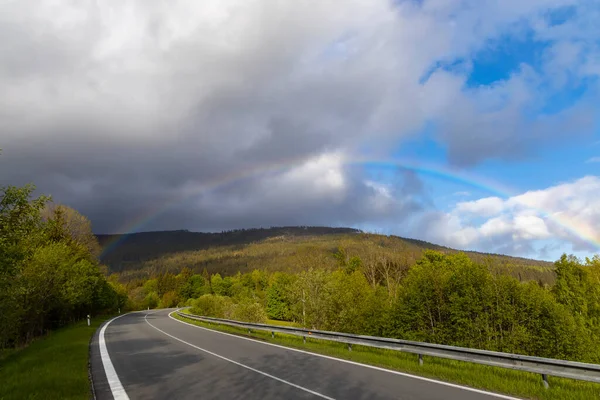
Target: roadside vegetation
x=51 y=367
x=442 y=298
x=50 y=275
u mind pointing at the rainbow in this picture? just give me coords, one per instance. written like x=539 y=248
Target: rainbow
x=435 y=171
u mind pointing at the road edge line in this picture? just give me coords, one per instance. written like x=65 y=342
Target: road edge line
x=391 y=371
x=117 y=389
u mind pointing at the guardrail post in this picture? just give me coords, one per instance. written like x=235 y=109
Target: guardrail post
x=349 y=346
x=545 y=379
x=304 y=338
x=420 y=359
x=272 y=335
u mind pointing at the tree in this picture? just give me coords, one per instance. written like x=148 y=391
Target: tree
x=194 y=287
x=310 y=295
x=67 y=223
x=21 y=227
x=21 y=230
x=279 y=296
x=348 y=295
x=220 y=286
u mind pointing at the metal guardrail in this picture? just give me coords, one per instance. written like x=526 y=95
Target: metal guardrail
x=540 y=365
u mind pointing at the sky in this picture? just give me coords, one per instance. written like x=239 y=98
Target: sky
x=468 y=123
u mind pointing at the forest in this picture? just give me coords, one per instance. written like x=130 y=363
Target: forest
x=50 y=275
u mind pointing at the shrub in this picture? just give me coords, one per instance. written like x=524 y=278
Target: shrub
x=249 y=312
x=211 y=305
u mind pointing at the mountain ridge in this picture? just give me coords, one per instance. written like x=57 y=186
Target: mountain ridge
x=228 y=252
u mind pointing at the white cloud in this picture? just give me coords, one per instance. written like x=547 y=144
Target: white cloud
x=593 y=160
x=320 y=177
x=482 y=207
x=566 y=215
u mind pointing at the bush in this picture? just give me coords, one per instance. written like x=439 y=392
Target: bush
x=151 y=300
x=170 y=299
x=249 y=312
x=211 y=305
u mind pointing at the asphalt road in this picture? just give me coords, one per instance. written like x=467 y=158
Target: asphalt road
x=157 y=357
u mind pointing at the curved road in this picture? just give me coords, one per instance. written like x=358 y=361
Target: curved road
x=153 y=356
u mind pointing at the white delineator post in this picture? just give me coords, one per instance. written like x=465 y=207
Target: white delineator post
x=88 y=319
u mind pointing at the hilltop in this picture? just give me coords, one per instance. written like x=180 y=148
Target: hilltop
x=282 y=248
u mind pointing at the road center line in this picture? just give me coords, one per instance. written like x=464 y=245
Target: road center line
x=116 y=387
x=240 y=364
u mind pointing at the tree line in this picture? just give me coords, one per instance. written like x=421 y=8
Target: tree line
x=50 y=275
x=442 y=298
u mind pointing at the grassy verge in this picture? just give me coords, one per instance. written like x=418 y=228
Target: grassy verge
x=53 y=367
x=282 y=323
x=499 y=380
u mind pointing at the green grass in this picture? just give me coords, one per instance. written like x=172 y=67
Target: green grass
x=499 y=380
x=282 y=323
x=53 y=367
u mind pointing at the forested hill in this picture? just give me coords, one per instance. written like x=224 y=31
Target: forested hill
x=130 y=250
x=280 y=248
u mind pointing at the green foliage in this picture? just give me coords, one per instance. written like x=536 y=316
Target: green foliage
x=21 y=228
x=49 y=275
x=217 y=306
x=151 y=300
x=442 y=298
x=354 y=264
x=165 y=283
x=221 y=286
x=194 y=287
x=249 y=311
x=169 y=299
x=213 y=306
x=279 y=297
x=451 y=300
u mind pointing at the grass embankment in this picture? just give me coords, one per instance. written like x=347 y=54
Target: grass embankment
x=499 y=380
x=53 y=367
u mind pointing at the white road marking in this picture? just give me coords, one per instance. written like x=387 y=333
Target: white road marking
x=242 y=365
x=116 y=388
x=500 y=396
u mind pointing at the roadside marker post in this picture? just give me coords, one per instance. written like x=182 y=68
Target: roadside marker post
x=88 y=318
